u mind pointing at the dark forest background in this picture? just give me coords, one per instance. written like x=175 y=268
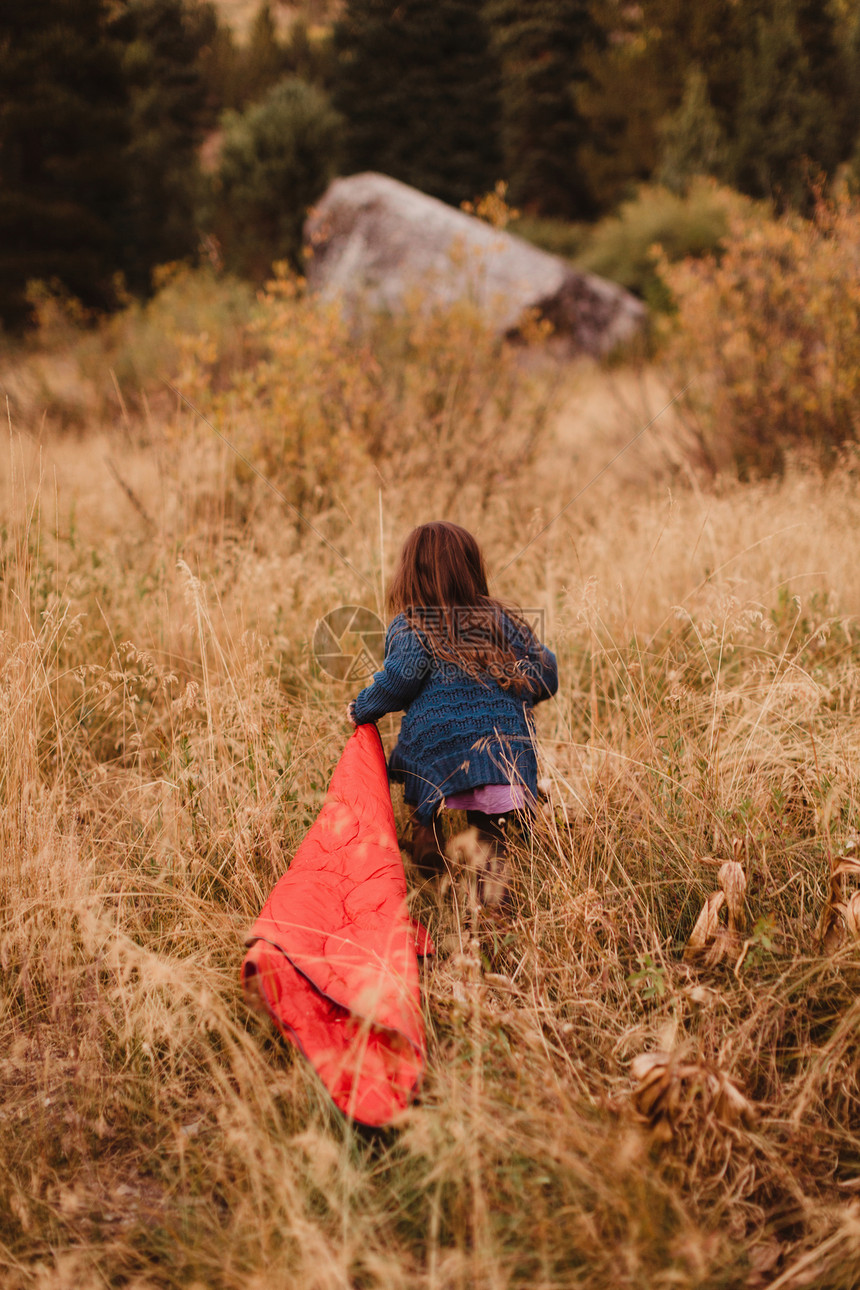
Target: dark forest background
x=141 y=132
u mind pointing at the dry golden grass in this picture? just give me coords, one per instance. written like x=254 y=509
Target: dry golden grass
x=166 y=741
x=240 y=14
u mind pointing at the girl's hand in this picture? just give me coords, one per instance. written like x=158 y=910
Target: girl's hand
x=350 y=712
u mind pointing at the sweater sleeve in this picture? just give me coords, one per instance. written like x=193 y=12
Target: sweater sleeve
x=541 y=666
x=405 y=669
x=537 y=663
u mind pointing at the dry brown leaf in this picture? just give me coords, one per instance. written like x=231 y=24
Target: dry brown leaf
x=832 y=930
x=653 y=1072
x=850 y=868
x=849 y=912
x=669 y=1090
x=652 y=1094
x=733 y=881
x=662 y=1132
x=709 y=939
x=731 y=1106
x=706 y=925
x=852 y=914
x=725 y=945
x=763 y=1260
x=840 y=913
x=646 y=1062
x=701 y=994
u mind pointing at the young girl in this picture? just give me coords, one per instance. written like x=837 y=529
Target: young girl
x=467 y=672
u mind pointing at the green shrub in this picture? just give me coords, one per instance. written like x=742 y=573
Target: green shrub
x=72 y=373
x=558 y=236
x=276 y=160
x=431 y=399
x=147 y=342
x=622 y=246
x=693 y=139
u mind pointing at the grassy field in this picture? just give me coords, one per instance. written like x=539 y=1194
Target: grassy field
x=167 y=740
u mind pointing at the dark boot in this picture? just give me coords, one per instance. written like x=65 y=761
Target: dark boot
x=493 y=890
x=426 y=850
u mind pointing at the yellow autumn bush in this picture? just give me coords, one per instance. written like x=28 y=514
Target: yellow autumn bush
x=433 y=402
x=768 y=334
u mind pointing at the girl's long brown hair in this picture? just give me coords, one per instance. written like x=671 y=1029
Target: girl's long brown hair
x=440 y=585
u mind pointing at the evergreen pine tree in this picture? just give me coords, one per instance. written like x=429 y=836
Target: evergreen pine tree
x=309 y=55
x=781 y=85
x=788 y=126
x=693 y=139
x=220 y=65
x=678 y=36
x=64 y=129
x=162 y=43
x=622 y=103
x=851 y=38
x=818 y=27
x=643 y=85
x=262 y=62
x=542 y=46
x=417 y=84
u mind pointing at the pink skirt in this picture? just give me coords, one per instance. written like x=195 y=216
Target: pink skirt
x=490 y=799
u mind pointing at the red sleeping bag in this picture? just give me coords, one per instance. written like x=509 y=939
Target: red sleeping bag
x=333 y=955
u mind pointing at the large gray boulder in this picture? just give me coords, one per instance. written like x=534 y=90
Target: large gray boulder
x=374 y=242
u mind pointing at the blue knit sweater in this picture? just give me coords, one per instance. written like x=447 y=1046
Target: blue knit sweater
x=457 y=732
